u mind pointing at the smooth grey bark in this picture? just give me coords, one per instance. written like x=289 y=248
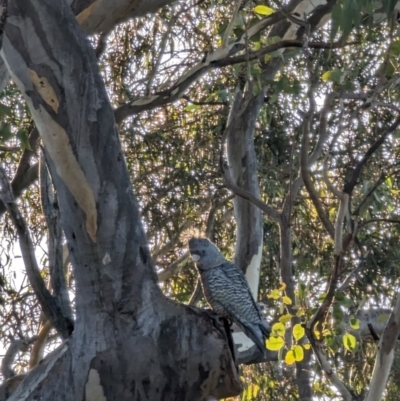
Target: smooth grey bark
x=51 y=212
x=243 y=170
x=97 y=16
x=129 y=341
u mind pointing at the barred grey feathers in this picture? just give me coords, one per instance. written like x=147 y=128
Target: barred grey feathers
x=227 y=291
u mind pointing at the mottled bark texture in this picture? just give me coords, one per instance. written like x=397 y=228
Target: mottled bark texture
x=129 y=341
x=243 y=169
x=96 y=16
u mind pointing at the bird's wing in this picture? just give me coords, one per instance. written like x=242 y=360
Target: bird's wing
x=240 y=291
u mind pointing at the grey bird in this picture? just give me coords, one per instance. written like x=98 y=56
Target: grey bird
x=227 y=291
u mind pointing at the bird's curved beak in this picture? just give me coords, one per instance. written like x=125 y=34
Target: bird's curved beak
x=195 y=257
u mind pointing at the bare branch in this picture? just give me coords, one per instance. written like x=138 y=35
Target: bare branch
x=394 y=221
x=385 y=355
x=10 y=148
x=228 y=30
x=38 y=347
x=284 y=44
x=26 y=173
x=327 y=181
x=353 y=274
x=48 y=303
x=12 y=351
x=101 y=44
x=343 y=205
x=197 y=293
x=55 y=249
x=194 y=73
x=380 y=180
x=304 y=168
x=268 y=210
x=161 y=50
x=348 y=188
x=173 y=268
x=344 y=391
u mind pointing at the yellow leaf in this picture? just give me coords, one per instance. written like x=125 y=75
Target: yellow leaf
x=326 y=332
x=282 y=287
x=326 y=76
x=298 y=331
x=251 y=391
x=354 y=323
x=298 y=353
x=289 y=358
x=264 y=10
x=317 y=334
x=285 y=318
x=274 y=294
x=349 y=341
x=300 y=313
x=275 y=343
x=307 y=346
x=278 y=329
x=286 y=300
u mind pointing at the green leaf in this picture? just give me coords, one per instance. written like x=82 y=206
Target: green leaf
x=192 y=107
x=263 y=10
x=337 y=312
x=286 y=300
x=285 y=318
x=298 y=353
x=5 y=133
x=339 y=296
x=275 y=343
x=354 y=323
x=23 y=137
x=274 y=294
x=326 y=76
x=347 y=19
x=388 y=6
x=336 y=18
x=298 y=331
x=290 y=358
x=278 y=329
x=349 y=342
x=5 y=110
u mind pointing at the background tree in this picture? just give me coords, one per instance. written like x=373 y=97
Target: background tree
x=272 y=129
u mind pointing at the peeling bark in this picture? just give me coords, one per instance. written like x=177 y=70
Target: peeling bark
x=129 y=341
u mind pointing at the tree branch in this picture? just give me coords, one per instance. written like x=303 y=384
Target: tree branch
x=48 y=303
x=385 y=355
x=26 y=173
x=304 y=169
x=55 y=249
x=348 y=188
x=268 y=210
x=194 y=73
x=11 y=353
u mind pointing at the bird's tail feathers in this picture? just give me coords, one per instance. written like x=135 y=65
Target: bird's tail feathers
x=256 y=335
x=266 y=329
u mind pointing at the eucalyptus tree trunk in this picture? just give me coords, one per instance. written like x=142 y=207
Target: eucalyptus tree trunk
x=129 y=341
x=243 y=169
